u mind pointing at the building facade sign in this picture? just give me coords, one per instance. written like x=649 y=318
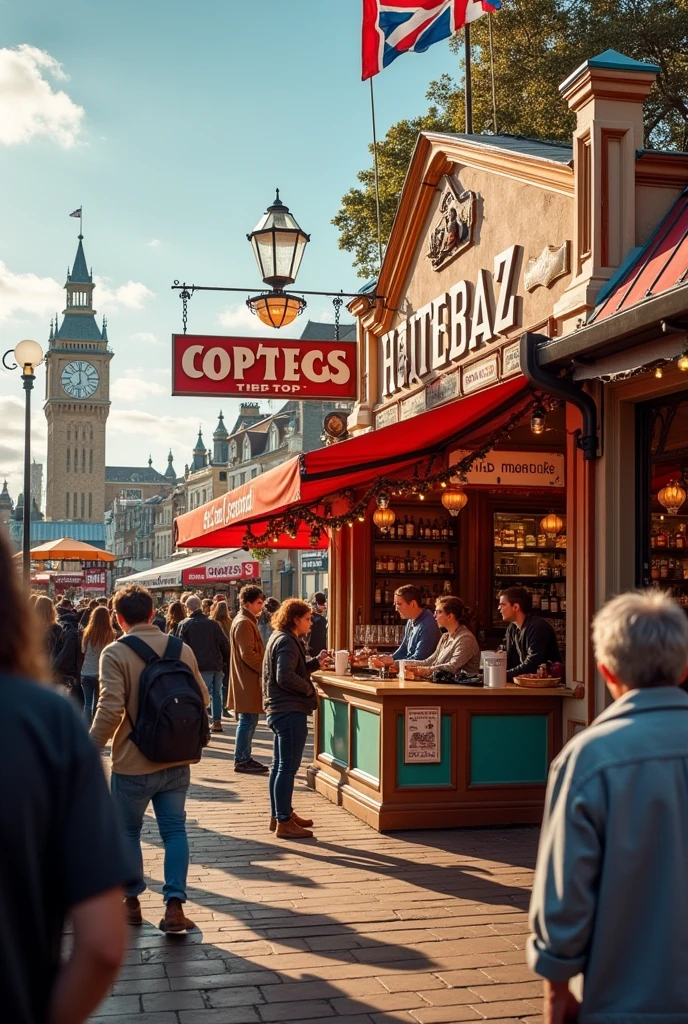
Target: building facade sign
x=443 y=390
x=95 y=579
x=478 y=375
x=515 y=469
x=453 y=327
x=213 y=365
x=511 y=359
x=205 y=574
x=314 y=562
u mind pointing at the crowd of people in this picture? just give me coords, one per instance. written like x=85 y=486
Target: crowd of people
x=611 y=862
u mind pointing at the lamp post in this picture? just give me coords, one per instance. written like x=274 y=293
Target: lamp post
x=28 y=355
x=278 y=245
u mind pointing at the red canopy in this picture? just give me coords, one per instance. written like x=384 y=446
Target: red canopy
x=311 y=476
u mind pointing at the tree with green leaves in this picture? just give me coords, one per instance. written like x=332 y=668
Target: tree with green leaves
x=537 y=44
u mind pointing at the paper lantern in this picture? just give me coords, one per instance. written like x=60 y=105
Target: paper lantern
x=552 y=524
x=454 y=499
x=672 y=497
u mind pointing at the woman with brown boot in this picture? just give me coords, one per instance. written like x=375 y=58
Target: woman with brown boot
x=288 y=698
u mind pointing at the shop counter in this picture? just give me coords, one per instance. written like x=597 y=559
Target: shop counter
x=475 y=757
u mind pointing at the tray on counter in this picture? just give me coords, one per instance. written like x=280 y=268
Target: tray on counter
x=548 y=683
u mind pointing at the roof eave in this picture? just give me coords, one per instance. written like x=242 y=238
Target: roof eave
x=636 y=325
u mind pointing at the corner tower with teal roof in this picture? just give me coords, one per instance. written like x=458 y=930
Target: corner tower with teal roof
x=77 y=402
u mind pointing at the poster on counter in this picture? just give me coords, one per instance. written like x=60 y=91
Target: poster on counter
x=422 y=739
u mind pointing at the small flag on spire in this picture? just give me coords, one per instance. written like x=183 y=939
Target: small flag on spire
x=77 y=213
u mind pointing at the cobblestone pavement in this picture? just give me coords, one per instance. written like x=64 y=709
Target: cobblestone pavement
x=350 y=927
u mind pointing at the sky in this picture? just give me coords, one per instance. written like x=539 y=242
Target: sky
x=172 y=124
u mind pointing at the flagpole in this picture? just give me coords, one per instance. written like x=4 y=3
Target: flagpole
x=81 y=221
x=468 y=92
x=377 y=177
x=492 y=77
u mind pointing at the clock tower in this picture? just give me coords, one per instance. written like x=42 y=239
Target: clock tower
x=77 y=403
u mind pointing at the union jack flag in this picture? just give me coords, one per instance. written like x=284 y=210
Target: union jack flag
x=393 y=27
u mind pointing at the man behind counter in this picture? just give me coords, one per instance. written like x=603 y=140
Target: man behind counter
x=530 y=640
x=422 y=633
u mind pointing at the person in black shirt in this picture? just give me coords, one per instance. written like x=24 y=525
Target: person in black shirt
x=530 y=640
x=316 y=641
x=61 y=853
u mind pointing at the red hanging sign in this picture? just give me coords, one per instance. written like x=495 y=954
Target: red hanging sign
x=225 y=366
x=219 y=573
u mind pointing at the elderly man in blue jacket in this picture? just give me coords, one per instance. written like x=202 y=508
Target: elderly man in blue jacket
x=610 y=897
x=422 y=634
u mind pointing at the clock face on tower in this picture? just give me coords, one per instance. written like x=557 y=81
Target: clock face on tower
x=80 y=379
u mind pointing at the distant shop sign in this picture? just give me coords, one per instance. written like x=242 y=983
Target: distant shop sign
x=217 y=365
x=206 y=574
x=95 y=579
x=314 y=563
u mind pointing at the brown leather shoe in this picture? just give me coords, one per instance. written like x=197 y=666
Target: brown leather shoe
x=302 y=822
x=290 y=830
x=174 y=922
x=217 y=727
x=132 y=910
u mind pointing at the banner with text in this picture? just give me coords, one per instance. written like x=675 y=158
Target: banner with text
x=209 y=574
x=226 y=366
x=515 y=469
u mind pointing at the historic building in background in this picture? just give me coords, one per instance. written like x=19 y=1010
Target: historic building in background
x=77 y=403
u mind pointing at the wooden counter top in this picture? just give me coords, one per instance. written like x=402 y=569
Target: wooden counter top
x=379 y=687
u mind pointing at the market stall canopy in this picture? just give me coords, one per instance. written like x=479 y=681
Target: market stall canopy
x=68 y=550
x=308 y=478
x=200 y=569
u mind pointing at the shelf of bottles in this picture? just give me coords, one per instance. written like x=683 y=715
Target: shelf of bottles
x=418 y=549
x=669 y=555
x=526 y=556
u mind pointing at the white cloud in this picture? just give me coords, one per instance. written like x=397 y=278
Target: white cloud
x=137 y=429
x=29 y=105
x=154 y=243
x=146 y=338
x=131 y=295
x=28 y=293
x=12 y=442
x=137 y=384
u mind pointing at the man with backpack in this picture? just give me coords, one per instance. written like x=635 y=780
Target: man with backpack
x=152 y=704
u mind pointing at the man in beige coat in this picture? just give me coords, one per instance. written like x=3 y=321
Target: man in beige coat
x=136 y=781
x=245 y=674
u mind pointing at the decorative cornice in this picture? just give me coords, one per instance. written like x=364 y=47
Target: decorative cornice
x=663 y=170
x=434 y=157
x=608 y=84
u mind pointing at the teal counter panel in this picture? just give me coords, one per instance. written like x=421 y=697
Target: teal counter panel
x=334 y=729
x=508 y=749
x=425 y=774
x=366 y=745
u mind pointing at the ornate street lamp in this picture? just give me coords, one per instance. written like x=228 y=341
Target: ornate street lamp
x=29 y=355
x=278 y=245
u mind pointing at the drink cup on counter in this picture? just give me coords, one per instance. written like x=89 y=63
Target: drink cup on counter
x=494 y=663
x=402 y=671
x=341 y=662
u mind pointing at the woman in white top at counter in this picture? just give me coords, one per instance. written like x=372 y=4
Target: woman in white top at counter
x=458 y=649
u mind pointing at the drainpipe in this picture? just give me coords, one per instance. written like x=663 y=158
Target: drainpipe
x=561 y=388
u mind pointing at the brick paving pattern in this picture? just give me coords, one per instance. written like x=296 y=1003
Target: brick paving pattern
x=350 y=927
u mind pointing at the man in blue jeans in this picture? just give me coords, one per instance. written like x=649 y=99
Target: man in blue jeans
x=210 y=645
x=136 y=781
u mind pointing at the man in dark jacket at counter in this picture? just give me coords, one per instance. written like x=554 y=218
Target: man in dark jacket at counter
x=210 y=645
x=530 y=640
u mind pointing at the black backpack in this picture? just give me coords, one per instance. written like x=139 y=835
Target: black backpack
x=172 y=722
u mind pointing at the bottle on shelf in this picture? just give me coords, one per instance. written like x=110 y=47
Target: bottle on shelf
x=421 y=529
x=537 y=599
x=416 y=562
x=388 y=593
x=410 y=527
x=434 y=566
x=553 y=599
x=378 y=594
x=544 y=601
x=497 y=535
x=435 y=529
x=662 y=540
